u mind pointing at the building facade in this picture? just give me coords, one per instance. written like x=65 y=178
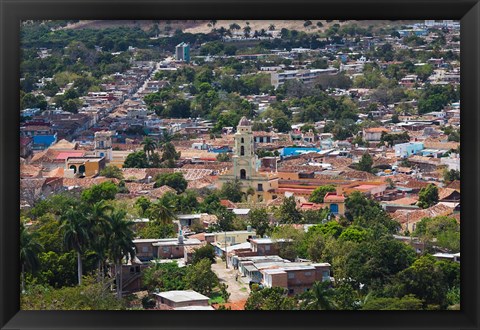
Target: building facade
x=182 y=52
x=255 y=185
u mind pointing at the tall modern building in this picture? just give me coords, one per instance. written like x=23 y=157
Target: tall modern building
x=182 y=52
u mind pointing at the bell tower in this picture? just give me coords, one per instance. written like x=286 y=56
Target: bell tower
x=103 y=145
x=244 y=159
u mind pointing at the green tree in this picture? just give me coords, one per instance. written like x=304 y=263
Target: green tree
x=204 y=252
x=428 y=196
x=162 y=211
x=97 y=215
x=375 y=261
x=136 y=159
x=270 y=299
x=149 y=146
x=111 y=171
x=224 y=157
x=319 y=193
x=258 y=218
x=319 y=297
x=451 y=175
x=445 y=230
x=143 y=204
x=91 y=295
x=365 y=163
x=103 y=191
x=281 y=124
x=201 y=278
x=288 y=212
x=120 y=244
x=173 y=180
x=169 y=153
x=408 y=302
x=162 y=277
x=368 y=213
x=231 y=190
x=425 y=279
x=76 y=235
x=29 y=250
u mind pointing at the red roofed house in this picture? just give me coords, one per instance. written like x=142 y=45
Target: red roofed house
x=374 y=134
x=336 y=203
x=26 y=144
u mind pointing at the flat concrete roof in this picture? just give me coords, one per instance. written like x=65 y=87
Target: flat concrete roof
x=182 y=295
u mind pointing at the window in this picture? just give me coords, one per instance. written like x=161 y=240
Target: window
x=260 y=187
x=165 y=249
x=242 y=140
x=243 y=174
x=144 y=248
x=132 y=269
x=290 y=291
x=267 y=247
x=308 y=274
x=242 y=151
x=291 y=275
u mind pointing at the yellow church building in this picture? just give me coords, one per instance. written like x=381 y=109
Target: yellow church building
x=258 y=187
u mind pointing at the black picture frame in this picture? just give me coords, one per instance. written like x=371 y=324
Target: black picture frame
x=12 y=11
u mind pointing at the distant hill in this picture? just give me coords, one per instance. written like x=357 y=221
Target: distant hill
x=204 y=26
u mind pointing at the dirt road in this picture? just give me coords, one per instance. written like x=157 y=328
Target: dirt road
x=238 y=290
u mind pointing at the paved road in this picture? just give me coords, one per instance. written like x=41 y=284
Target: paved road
x=238 y=290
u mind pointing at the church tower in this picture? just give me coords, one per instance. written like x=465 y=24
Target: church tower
x=103 y=145
x=244 y=159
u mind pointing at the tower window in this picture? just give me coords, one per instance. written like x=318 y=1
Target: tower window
x=242 y=151
x=242 y=140
x=243 y=174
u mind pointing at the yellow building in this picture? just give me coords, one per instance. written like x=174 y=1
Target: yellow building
x=84 y=166
x=257 y=186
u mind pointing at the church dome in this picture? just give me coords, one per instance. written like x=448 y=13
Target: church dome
x=244 y=122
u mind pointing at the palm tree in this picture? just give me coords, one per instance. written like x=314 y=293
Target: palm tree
x=149 y=146
x=29 y=250
x=100 y=227
x=76 y=235
x=319 y=297
x=162 y=211
x=120 y=243
x=246 y=30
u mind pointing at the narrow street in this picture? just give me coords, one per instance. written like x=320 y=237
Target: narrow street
x=238 y=290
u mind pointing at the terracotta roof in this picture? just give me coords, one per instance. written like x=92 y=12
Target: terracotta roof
x=199 y=236
x=404 y=216
x=159 y=192
x=403 y=201
x=376 y=130
x=454 y=185
x=86 y=182
x=57 y=172
x=134 y=173
x=228 y=204
x=135 y=187
x=30 y=171
x=440 y=145
x=333 y=197
x=354 y=174
x=25 y=141
x=445 y=192
x=64 y=145
x=31 y=183
x=414 y=184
